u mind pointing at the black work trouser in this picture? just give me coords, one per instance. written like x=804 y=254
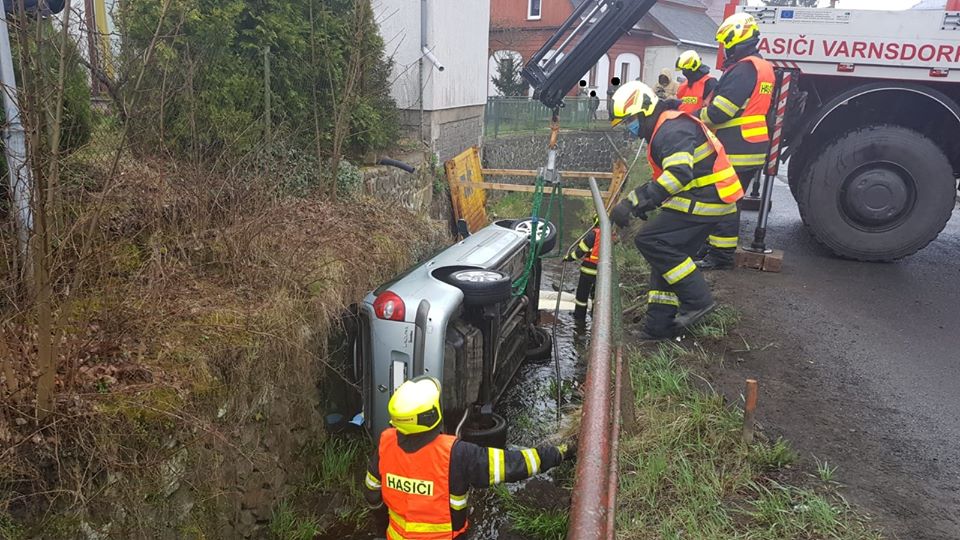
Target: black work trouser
x=722 y=240
x=668 y=242
x=584 y=293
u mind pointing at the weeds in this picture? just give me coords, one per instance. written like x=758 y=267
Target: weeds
x=287 y=524
x=533 y=523
x=717 y=324
x=687 y=475
x=825 y=471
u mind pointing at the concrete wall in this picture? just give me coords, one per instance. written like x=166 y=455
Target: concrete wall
x=396 y=187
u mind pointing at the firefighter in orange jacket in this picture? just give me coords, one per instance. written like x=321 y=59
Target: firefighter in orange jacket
x=588 y=249
x=737 y=113
x=695 y=187
x=424 y=476
x=700 y=84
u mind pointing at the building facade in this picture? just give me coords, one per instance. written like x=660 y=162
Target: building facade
x=441 y=95
x=520 y=27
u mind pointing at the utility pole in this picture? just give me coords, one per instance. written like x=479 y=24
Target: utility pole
x=21 y=184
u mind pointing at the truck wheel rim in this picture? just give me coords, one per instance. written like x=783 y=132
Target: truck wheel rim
x=877 y=196
x=478 y=276
x=526 y=226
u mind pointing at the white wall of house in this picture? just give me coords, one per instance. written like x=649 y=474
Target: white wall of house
x=626 y=64
x=657 y=58
x=461 y=48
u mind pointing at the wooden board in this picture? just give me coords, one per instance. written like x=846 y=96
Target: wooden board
x=469 y=200
x=533 y=174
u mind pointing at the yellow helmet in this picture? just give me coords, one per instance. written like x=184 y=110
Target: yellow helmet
x=632 y=98
x=415 y=406
x=689 y=60
x=736 y=29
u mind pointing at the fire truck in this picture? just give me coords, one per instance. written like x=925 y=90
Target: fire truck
x=873 y=127
x=872 y=131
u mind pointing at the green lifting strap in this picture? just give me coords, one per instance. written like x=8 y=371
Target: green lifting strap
x=536 y=240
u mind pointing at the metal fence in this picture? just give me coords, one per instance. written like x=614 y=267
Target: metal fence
x=505 y=115
x=607 y=403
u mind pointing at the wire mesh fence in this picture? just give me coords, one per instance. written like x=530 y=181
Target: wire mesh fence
x=508 y=115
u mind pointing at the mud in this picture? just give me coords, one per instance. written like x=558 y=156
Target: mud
x=857 y=366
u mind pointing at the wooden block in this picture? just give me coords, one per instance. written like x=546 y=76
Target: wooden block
x=748 y=259
x=773 y=262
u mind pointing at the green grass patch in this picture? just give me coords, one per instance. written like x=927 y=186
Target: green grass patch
x=532 y=523
x=687 y=474
x=718 y=323
x=287 y=523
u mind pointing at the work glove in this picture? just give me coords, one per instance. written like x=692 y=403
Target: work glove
x=571 y=255
x=621 y=213
x=568 y=450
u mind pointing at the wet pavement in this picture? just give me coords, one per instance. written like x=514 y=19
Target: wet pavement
x=864 y=368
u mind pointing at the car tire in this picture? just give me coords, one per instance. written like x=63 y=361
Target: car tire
x=526 y=226
x=492 y=435
x=878 y=193
x=481 y=287
x=540 y=345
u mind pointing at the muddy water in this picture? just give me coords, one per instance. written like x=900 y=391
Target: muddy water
x=530 y=403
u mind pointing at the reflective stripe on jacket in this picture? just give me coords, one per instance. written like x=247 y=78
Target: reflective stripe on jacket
x=416 y=489
x=744 y=134
x=720 y=178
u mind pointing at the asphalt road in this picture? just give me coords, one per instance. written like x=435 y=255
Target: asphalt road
x=862 y=369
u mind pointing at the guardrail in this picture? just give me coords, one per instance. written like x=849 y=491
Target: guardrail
x=593 y=507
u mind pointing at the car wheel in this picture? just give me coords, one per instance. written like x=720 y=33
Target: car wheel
x=481 y=287
x=878 y=193
x=540 y=345
x=546 y=231
x=490 y=432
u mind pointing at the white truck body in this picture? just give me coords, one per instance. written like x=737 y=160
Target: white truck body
x=906 y=45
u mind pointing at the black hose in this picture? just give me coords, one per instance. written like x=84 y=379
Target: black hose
x=398 y=164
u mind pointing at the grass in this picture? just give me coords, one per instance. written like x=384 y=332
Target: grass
x=532 y=523
x=288 y=524
x=718 y=323
x=686 y=474
x=825 y=471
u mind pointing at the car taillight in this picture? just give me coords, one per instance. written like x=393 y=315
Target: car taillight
x=389 y=307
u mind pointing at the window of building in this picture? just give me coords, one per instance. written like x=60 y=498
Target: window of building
x=625 y=72
x=592 y=78
x=533 y=10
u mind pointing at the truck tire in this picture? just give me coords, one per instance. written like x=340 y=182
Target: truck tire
x=877 y=193
x=548 y=234
x=492 y=434
x=481 y=287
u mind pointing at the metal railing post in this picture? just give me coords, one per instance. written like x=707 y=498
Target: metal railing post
x=590 y=507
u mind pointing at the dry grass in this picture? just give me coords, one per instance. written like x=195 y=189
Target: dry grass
x=196 y=304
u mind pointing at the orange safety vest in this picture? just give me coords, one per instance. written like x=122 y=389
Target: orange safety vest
x=753 y=119
x=594 y=256
x=723 y=177
x=691 y=95
x=416 y=489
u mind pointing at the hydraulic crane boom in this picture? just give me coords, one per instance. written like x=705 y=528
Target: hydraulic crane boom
x=592 y=28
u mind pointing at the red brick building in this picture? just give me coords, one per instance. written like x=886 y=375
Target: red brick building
x=520 y=27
